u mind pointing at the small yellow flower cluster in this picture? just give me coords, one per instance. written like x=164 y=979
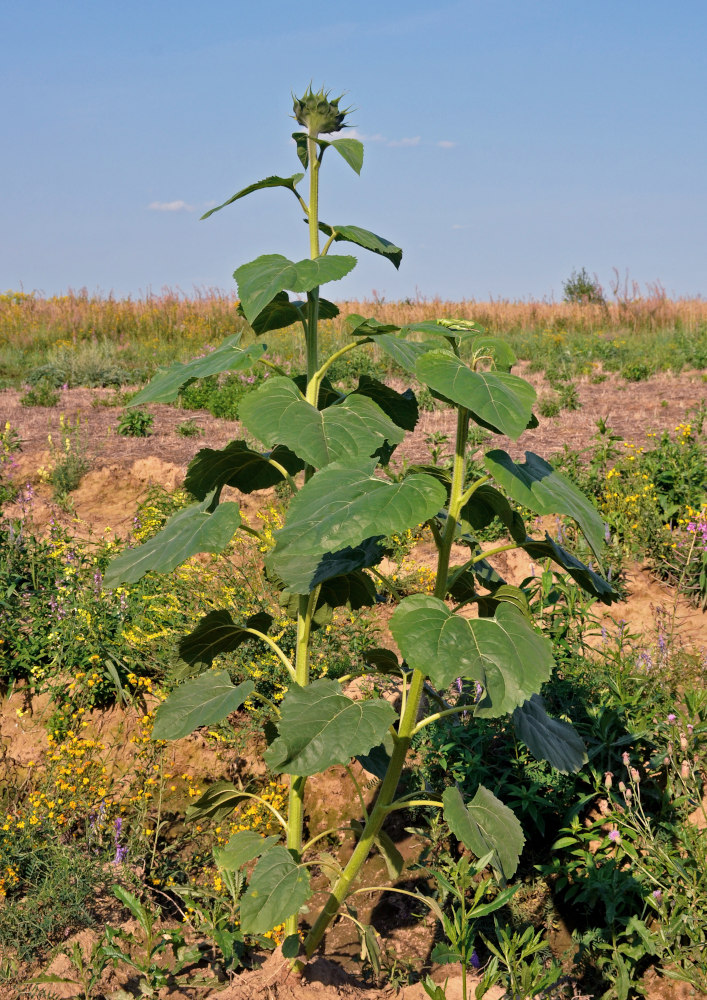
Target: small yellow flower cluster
x=8 y=879
x=272 y=521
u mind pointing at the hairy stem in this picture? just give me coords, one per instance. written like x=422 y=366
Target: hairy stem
x=295 y=814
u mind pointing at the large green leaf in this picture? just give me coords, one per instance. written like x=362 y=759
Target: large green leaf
x=165 y=386
x=536 y=485
x=351 y=150
x=587 y=579
x=473 y=338
x=217 y=633
x=186 y=533
x=406 y=353
x=401 y=407
x=281 y=312
x=486 y=504
x=242 y=847
x=358 y=326
x=502 y=653
x=202 y=701
x=319 y=726
x=278 y=888
x=366 y=240
x=269 y=182
x=504 y=401
x=349 y=431
x=261 y=280
x=485 y=825
x=340 y=507
x=549 y=739
x=218 y=801
x=238 y=466
x=353 y=590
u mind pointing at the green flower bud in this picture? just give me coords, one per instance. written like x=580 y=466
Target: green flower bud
x=317 y=113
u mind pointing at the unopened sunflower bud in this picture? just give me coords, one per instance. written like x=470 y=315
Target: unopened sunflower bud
x=317 y=113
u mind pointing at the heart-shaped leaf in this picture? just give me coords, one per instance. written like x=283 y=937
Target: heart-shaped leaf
x=351 y=150
x=486 y=504
x=319 y=726
x=349 y=431
x=401 y=407
x=502 y=653
x=186 y=533
x=366 y=240
x=536 y=485
x=238 y=466
x=358 y=326
x=218 y=801
x=261 y=280
x=242 y=847
x=549 y=739
x=268 y=182
x=405 y=353
x=202 y=701
x=216 y=633
x=165 y=386
x=585 y=577
x=504 y=401
x=282 y=312
x=485 y=825
x=342 y=507
x=278 y=888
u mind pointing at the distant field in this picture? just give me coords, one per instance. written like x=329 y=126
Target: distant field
x=78 y=339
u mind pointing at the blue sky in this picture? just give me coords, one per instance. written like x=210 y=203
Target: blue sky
x=507 y=141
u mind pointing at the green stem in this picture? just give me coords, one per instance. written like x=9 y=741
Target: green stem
x=375 y=820
x=329 y=243
x=468 y=494
x=272 y=366
x=295 y=814
x=283 y=472
x=316 y=380
x=455 y=503
x=407 y=803
x=266 y=701
x=276 y=649
x=441 y=715
x=313 y=295
x=273 y=810
x=494 y=552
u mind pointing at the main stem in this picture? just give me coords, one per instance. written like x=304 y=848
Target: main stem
x=408 y=721
x=307 y=603
x=313 y=296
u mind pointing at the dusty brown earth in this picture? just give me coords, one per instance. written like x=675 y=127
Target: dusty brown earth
x=121 y=471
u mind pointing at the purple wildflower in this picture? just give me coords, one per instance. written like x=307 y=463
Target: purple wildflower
x=614 y=836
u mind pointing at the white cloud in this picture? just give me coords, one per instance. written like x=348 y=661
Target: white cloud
x=446 y=144
x=353 y=133
x=170 y=206
x=457 y=226
x=408 y=141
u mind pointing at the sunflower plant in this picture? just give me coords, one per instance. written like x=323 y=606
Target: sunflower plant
x=332 y=449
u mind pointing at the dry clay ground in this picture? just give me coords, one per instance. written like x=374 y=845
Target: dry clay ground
x=122 y=469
